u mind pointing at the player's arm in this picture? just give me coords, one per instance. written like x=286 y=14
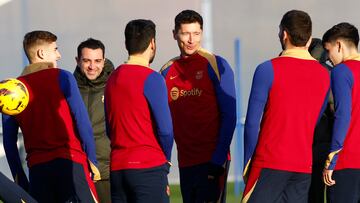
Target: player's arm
x=341 y=84
x=261 y=85
x=223 y=81
x=156 y=94
x=83 y=125
x=323 y=107
x=10 y=137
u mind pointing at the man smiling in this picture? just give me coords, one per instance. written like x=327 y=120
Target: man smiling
x=91 y=74
x=202 y=102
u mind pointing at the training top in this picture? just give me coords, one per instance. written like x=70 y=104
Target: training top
x=55 y=124
x=202 y=102
x=138 y=118
x=344 y=148
x=287 y=97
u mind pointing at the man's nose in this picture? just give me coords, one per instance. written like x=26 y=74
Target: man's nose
x=58 y=55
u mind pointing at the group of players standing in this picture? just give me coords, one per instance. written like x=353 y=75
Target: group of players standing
x=123 y=135
x=291 y=99
x=106 y=135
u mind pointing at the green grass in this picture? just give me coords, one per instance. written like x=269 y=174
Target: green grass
x=175 y=196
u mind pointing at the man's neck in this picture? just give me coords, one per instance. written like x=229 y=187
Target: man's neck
x=138 y=59
x=350 y=53
x=290 y=46
x=183 y=55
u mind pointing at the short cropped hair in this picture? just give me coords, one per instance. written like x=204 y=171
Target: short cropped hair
x=138 y=35
x=36 y=38
x=91 y=44
x=187 y=17
x=344 y=31
x=298 y=25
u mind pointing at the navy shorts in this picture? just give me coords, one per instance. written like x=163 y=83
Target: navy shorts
x=60 y=180
x=269 y=185
x=140 y=185
x=346 y=188
x=197 y=188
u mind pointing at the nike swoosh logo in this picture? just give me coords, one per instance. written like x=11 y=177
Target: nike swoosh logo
x=173 y=77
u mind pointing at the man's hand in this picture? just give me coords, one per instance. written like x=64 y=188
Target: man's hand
x=327 y=177
x=214 y=171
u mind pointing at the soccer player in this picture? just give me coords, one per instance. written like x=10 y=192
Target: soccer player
x=202 y=102
x=91 y=74
x=287 y=97
x=342 y=169
x=138 y=122
x=57 y=133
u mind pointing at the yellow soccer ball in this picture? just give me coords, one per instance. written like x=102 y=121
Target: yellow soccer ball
x=14 y=96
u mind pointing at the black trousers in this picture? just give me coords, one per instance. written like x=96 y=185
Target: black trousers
x=140 y=185
x=59 y=180
x=276 y=186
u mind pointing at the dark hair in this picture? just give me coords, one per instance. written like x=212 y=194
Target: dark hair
x=186 y=17
x=345 y=31
x=91 y=44
x=35 y=38
x=298 y=25
x=138 y=34
x=317 y=51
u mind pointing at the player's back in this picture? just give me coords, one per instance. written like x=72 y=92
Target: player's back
x=47 y=124
x=129 y=118
x=295 y=99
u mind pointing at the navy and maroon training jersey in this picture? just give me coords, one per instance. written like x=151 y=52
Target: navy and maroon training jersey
x=202 y=102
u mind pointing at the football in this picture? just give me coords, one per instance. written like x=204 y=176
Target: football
x=14 y=96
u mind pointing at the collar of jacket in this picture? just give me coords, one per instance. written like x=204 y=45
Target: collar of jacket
x=100 y=81
x=35 y=67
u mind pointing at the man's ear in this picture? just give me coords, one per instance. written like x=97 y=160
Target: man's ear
x=339 y=46
x=308 y=42
x=40 y=53
x=77 y=60
x=285 y=36
x=152 y=44
x=175 y=35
